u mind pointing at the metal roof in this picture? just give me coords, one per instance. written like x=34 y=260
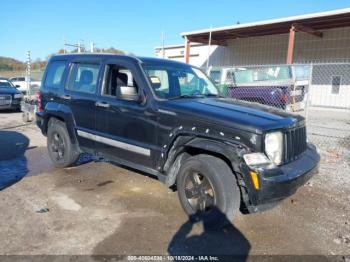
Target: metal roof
x=317 y=21
x=177 y=46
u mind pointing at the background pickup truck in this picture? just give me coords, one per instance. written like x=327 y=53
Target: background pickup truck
x=279 y=86
x=20 y=83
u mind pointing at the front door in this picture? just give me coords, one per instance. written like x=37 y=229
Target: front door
x=127 y=129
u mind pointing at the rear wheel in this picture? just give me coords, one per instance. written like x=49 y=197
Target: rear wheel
x=61 y=151
x=208 y=190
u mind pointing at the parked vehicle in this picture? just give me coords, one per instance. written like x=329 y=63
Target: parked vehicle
x=10 y=97
x=165 y=118
x=277 y=86
x=21 y=83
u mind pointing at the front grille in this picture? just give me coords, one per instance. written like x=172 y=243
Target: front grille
x=295 y=143
x=5 y=100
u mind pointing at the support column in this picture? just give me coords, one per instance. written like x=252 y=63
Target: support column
x=291 y=42
x=187 y=50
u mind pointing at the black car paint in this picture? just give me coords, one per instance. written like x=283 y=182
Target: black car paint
x=221 y=126
x=12 y=91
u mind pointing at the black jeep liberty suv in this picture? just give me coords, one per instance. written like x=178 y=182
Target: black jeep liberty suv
x=166 y=118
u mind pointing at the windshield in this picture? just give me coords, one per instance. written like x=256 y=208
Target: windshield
x=5 y=83
x=215 y=76
x=172 y=82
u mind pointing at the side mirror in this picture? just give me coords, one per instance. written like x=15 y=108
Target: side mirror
x=17 y=86
x=129 y=93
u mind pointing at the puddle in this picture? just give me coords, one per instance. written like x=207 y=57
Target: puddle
x=38 y=161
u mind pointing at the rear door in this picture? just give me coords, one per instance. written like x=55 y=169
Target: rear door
x=80 y=95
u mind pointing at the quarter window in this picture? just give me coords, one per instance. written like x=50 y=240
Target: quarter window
x=83 y=78
x=336 y=81
x=54 y=77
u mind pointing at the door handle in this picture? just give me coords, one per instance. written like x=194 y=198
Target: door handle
x=66 y=97
x=102 y=104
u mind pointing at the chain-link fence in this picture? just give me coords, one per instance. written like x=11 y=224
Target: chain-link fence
x=319 y=92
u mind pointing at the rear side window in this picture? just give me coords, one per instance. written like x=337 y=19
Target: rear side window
x=83 y=78
x=54 y=77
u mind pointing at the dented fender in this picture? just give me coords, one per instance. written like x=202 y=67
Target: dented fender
x=175 y=155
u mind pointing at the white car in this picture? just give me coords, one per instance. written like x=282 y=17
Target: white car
x=21 y=83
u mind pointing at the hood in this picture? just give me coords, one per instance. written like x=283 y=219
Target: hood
x=252 y=117
x=8 y=91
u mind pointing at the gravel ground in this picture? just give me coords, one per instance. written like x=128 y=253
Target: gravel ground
x=101 y=209
x=330 y=131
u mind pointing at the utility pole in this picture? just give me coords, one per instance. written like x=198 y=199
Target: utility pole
x=92 y=47
x=28 y=71
x=79 y=47
x=209 y=47
x=64 y=45
x=162 y=39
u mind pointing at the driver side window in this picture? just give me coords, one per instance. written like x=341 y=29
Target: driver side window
x=116 y=77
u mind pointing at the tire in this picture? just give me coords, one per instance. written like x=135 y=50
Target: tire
x=223 y=200
x=61 y=150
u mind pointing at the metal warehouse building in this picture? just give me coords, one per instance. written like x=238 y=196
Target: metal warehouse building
x=322 y=39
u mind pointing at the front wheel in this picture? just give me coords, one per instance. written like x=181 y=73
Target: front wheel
x=208 y=190
x=61 y=151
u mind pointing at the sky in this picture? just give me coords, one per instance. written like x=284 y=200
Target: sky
x=42 y=26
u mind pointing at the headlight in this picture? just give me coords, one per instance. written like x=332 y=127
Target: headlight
x=17 y=96
x=274 y=146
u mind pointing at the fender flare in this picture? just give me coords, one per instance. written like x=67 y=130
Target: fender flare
x=231 y=151
x=63 y=113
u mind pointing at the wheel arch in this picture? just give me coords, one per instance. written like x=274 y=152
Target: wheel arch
x=230 y=153
x=62 y=113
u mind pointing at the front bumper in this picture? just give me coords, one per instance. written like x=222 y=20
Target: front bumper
x=13 y=104
x=283 y=181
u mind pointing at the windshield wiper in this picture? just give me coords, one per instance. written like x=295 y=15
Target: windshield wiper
x=213 y=95
x=195 y=96
x=186 y=96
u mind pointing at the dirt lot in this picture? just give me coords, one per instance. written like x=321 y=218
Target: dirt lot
x=99 y=208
